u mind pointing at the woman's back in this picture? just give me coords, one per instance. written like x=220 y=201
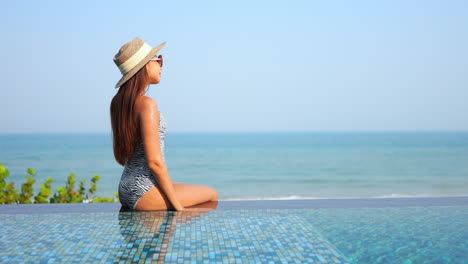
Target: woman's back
x=137 y=178
x=139 y=157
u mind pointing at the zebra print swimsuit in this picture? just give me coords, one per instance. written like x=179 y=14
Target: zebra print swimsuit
x=137 y=178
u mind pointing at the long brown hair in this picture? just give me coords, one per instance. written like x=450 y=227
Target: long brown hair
x=125 y=125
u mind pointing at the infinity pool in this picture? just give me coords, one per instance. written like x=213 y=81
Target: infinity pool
x=387 y=234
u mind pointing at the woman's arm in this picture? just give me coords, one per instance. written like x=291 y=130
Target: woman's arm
x=148 y=115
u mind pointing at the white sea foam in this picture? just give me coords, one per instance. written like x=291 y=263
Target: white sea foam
x=297 y=197
x=292 y=197
x=397 y=195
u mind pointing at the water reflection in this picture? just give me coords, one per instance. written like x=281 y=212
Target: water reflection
x=148 y=234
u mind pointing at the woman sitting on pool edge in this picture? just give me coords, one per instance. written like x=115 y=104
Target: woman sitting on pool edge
x=138 y=131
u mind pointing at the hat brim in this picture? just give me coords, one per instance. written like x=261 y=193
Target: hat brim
x=140 y=65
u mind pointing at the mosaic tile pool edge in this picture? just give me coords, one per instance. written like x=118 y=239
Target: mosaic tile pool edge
x=237 y=236
x=249 y=204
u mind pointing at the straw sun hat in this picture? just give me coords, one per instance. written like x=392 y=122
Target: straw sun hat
x=132 y=56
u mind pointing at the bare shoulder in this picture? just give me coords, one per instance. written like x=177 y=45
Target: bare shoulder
x=145 y=104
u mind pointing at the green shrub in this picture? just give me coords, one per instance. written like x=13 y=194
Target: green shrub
x=27 y=189
x=66 y=194
x=46 y=190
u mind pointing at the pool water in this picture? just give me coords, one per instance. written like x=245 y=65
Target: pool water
x=437 y=234
x=396 y=235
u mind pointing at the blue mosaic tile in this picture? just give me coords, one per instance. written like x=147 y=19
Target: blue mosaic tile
x=334 y=235
x=238 y=236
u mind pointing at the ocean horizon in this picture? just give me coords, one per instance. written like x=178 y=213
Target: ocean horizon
x=262 y=165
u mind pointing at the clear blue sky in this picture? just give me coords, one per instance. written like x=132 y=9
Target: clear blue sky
x=241 y=65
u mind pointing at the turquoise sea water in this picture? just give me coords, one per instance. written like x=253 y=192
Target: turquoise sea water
x=264 y=165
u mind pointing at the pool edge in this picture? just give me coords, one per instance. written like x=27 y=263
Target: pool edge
x=249 y=204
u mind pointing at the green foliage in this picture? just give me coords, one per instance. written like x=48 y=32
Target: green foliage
x=27 y=189
x=11 y=194
x=4 y=173
x=66 y=194
x=46 y=190
x=81 y=189
x=31 y=171
x=103 y=200
x=8 y=193
x=93 y=188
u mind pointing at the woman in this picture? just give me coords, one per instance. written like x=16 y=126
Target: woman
x=138 y=130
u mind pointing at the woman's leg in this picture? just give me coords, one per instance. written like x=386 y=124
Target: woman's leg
x=188 y=194
x=191 y=194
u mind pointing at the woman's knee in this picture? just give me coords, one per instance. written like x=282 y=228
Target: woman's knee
x=212 y=193
x=215 y=194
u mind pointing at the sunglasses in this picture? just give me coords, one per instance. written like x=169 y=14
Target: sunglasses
x=159 y=59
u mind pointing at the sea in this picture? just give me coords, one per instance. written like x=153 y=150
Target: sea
x=262 y=165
